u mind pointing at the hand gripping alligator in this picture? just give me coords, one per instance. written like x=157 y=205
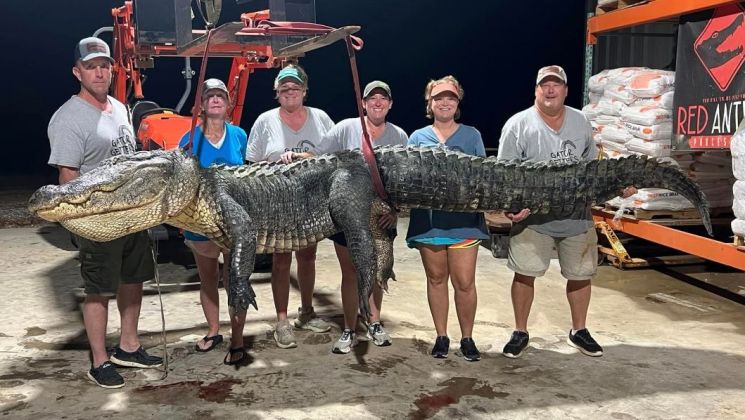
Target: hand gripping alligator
x=269 y=207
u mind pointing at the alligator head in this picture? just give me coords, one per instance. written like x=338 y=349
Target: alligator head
x=709 y=51
x=124 y=194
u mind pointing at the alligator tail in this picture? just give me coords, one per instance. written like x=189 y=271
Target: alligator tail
x=452 y=181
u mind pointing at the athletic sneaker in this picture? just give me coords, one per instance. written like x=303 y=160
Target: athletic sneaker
x=442 y=345
x=583 y=341
x=345 y=343
x=284 y=336
x=517 y=344
x=468 y=350
x=310 y=321
x=137 y=359
x=106 y=376
x=377 y=334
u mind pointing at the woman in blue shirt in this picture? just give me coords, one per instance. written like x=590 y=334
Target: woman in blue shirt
x=215 y=141
x=448 y=242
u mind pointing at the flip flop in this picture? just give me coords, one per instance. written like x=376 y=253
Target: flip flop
x=215 y=339
x=228 y=358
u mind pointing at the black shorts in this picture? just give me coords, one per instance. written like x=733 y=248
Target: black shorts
x=105 y=265
x=339 y=238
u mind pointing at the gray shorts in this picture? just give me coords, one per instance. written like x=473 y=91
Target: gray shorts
x=530 y=253
x=105 y=265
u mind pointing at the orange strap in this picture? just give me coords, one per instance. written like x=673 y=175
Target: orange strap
x=198 y=94
x=367 y=150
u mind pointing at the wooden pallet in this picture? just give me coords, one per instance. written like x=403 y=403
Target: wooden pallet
x=620 y=4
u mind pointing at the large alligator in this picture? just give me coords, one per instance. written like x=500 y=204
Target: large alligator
x=269 y=207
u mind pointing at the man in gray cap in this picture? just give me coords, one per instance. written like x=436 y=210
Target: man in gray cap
x=90 y=127
x=550 y=131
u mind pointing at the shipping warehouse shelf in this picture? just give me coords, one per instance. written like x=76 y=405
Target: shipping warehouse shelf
x=651 y=11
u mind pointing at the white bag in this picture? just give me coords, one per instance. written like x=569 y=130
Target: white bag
x=663 y=131
x=651 y=83
x=655 y=148
x=738 y=227
x=645 y=115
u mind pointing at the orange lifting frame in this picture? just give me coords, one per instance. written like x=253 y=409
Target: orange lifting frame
x=700 y=246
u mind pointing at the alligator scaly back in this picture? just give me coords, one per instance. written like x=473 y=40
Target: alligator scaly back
x=453 y=181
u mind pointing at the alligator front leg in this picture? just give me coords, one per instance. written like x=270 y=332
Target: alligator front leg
x=242 y=235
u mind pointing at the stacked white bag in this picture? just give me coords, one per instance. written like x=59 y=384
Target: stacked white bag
x=737 y=147
x=630 y=111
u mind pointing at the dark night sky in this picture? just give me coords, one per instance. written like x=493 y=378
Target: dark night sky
x=493 y=47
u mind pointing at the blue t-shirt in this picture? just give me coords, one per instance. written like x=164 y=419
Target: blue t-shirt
x=229 y=151
x=432 y=226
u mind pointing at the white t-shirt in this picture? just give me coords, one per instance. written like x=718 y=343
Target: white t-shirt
x=347 y=135
x=526 y=137
x=270 y=137
x=81 y=135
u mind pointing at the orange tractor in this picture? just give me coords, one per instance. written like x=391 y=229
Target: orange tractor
x=146 y=29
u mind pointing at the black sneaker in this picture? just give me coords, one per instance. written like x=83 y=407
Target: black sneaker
x=137 y=359
x=583 y=341
x=469 y=350
x=440 y=350
x=517 y=344
x=106 y=376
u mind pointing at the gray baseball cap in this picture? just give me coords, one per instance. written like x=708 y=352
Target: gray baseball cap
x=211 y=84
x=377 y=84
x=92 y=47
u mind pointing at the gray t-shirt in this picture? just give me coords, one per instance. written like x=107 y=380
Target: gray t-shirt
x=347 y=135
x=81 y=136
x=526 y=137
x=270 y=137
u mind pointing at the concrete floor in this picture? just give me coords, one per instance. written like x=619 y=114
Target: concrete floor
x=671 y=350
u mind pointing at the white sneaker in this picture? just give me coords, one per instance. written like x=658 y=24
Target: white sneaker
x=378 y=335
x=345 y=343
x=284 y=336
x=310 y=321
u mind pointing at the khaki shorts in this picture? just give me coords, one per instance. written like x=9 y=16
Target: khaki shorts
x=530 y=253
x=207 y=249
x=106 y=265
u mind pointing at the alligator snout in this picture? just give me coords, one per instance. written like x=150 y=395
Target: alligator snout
x=43 y=198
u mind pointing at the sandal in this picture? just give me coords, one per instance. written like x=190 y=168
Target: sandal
x=229 y=357
x=215 y=339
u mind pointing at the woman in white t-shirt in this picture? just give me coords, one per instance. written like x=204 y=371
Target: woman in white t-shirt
x=282 y=134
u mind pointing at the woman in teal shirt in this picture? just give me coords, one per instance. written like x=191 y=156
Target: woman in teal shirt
x=448 y=242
